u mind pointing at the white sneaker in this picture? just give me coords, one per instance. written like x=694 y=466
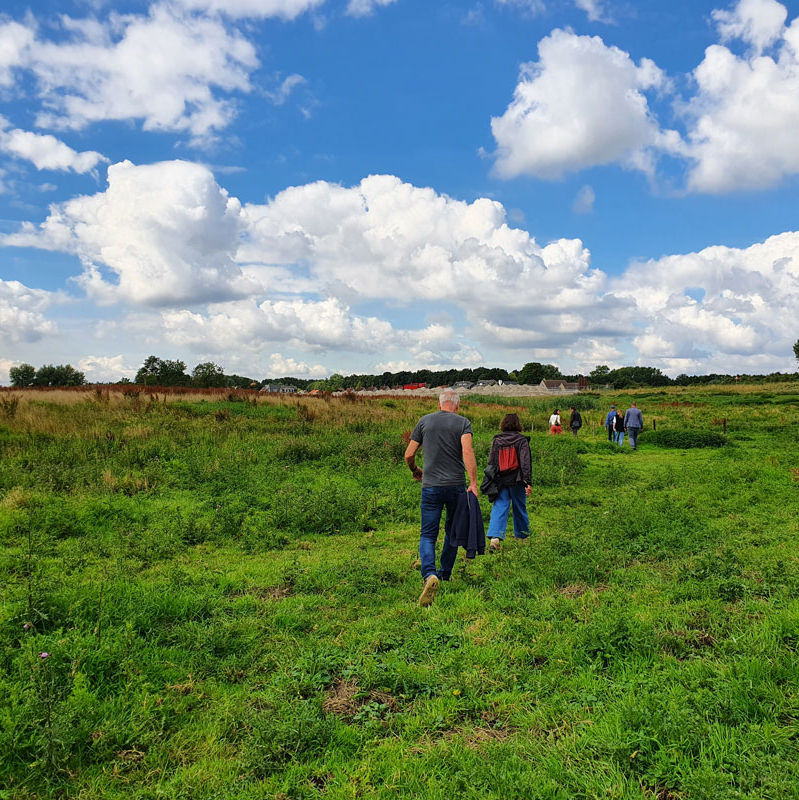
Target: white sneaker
x=494 y=545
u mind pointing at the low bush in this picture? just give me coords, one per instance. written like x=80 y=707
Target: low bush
x=684 y=439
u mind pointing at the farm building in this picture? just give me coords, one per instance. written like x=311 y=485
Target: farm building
x=559 y=386
x=278 y=388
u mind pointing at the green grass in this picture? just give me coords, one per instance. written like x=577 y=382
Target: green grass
x=227 y=596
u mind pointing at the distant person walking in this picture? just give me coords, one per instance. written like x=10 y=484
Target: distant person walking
x=633 y=422
x=554 y=423
x=575 y=421
x=609 y=420
x=446 y=439
x=618 y=429
x=510 y=455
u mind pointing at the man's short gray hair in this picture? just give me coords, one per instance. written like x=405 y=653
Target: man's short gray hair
x=449 y=397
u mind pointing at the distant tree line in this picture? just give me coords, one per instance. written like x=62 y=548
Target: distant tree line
x=165 y=372
x=157 y=371
x=25 y=375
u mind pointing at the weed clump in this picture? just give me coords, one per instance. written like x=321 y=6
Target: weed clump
x=8 y=407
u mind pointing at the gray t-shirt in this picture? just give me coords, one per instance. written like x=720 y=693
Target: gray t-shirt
x=440 y=435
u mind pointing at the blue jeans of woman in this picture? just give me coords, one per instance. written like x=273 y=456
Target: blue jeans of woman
x=434 y=500
x=618 y=437
x=509 y=496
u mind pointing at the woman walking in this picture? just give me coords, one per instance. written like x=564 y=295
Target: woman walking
x=618 y=429
x=554 y=423
x=510 y=454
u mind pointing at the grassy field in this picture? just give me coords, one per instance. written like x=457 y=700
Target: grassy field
x=203 y=597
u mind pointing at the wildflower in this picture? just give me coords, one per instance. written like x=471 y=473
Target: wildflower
x=26 y=626
x=44 y=655
x=456 y=692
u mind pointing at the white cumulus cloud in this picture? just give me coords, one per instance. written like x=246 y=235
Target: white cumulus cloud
x=580 y=105
x=759 y=23
x=101 y=369
x=744 y=116
x=166 y=232
x=165 y=69
x=326 y=324
x=749 y=305
x=45 y=151
x=585 y=103
x=595 y=9
x=280 y=367
x=21 y=313
x=15 y=44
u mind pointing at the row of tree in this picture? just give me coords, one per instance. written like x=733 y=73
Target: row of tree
x=25 y=375
x=157 y=371
x=165 y=372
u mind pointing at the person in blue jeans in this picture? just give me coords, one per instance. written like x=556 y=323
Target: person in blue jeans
x=446 y=439
x=618 y=430
x=609 y=418
x=510 y=454
x=633 y=422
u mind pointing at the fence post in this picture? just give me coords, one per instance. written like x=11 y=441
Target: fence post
x=724 y=423
x=654 y=424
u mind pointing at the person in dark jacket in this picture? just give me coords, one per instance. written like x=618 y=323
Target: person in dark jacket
x=575 y=421
x=510 y=454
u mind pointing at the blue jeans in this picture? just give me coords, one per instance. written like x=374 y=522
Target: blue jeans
x=618 y=437
x=515 y=496
x=434 y=500
x=632 y=434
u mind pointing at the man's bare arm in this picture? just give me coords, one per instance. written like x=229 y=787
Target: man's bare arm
x=410 y=460
x=469 y=461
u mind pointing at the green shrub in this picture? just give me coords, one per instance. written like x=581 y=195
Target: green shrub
x=684 y=439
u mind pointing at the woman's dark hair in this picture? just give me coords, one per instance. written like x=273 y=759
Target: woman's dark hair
x=510 y=422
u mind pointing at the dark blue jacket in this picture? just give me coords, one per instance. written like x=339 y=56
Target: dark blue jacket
x=467 y=529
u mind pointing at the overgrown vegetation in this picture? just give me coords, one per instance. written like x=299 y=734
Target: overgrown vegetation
x=685 y=438
x=205 y=596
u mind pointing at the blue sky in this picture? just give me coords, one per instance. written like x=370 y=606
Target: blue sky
x=308 y=186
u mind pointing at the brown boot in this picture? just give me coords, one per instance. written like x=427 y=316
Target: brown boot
x=429 y=591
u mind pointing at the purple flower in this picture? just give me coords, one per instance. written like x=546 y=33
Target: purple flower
x=44 y=655
x=26 y=626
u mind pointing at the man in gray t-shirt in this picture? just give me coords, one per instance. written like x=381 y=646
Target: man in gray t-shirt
x=446 y=439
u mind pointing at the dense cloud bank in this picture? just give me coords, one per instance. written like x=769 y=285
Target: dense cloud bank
x=170 y=247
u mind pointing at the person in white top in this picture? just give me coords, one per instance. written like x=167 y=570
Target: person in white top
x=554 y=423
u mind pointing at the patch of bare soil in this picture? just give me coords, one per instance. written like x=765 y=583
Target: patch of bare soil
x=579 y=589
x=345 y=698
